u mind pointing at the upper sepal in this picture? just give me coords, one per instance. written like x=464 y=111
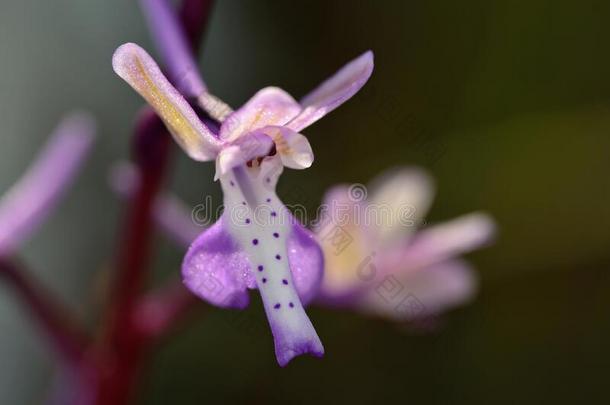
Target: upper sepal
x=137 y=68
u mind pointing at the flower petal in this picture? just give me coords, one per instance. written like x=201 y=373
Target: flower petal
x=420 y=294
x=242 y=150
x=137 y=68
x=346 y=242
x=334 y=91
x=294 y=149
x=400 y=200
x=30 y=201
x=306 y=262
x=173 y=46
x=270 y=106
x=216 y=268
x=444 y=241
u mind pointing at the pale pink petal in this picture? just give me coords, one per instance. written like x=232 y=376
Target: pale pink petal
x=347 y=242
x=31 y=200
x=137 y=68
x=399 y=201
x=444 y=241
x=334 y=91
x=420 y=294
x=337 y=209
x=270 y=106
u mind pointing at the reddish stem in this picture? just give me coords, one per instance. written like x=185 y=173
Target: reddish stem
x=122 y=349
x=124 y=346
x=160 y=312
x=67 y=339
x=128 y=330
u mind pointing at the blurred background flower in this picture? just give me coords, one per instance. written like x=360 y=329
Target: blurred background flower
x=30 y=201
x=379 y=261
x=504 y=103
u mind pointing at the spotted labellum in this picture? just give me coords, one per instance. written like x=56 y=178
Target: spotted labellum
x=379 y=259
x=256 y=243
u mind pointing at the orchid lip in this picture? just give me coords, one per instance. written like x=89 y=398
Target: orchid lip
x=264 y=245
x=264 y=249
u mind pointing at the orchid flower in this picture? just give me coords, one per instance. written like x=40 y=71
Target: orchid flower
x=378 y=262
x=30 y=200
x=256 y=243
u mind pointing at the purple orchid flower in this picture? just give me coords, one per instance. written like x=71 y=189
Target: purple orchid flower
x=378 y=262
x=256 y=243
x=30 y=201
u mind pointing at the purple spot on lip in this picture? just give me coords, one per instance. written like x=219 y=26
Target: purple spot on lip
x=243 y=203
x=276 y=235
x=291 y=305
x=264 y=280
x=268 y=180
x=268 y=199
x=260 y=268
x=232 y=183
x=273 y=214
x=255 y=241
x=285 y=281
x=247 y=220
x=278 y=257
x=277 y=306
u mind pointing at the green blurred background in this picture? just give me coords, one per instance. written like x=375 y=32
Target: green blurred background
x=505 y=102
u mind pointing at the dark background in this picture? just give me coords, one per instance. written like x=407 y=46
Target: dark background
x=506 y=103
